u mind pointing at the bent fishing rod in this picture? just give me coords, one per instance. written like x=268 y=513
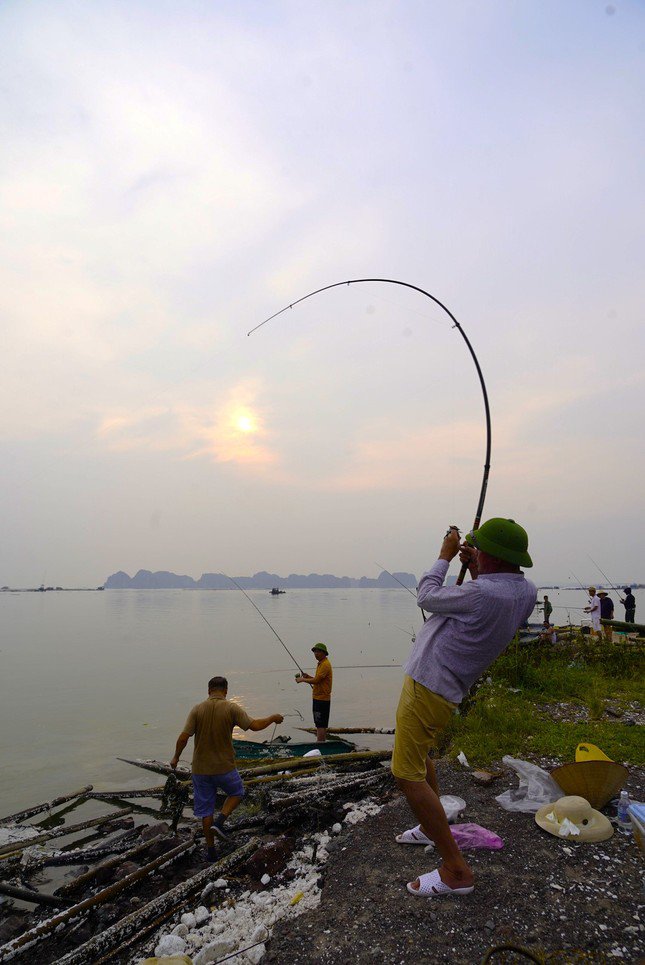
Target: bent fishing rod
x=274 y=632
x=617 y=592
x=405 y=284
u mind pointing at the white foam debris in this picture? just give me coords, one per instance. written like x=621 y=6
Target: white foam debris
x=336 y=828
x=361 y=811
x=17 y=832
x=170 y=945
x=247 y=919
x=202 y=915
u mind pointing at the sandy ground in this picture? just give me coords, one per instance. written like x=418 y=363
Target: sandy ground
x=539 y=891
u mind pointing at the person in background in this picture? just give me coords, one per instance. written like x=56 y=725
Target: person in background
x=630 y=605
x=321 y=690
x=606 y=613
x=213 y=767
x=547 y=633
x=593 y=609
x=548 y=609
x=469 y=627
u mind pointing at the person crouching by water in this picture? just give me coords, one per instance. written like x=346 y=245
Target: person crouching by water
x=321 y=690
x=469 y=627
x=213 y=767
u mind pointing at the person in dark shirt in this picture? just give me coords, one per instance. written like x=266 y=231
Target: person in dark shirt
x=606 y=613
x=548 y=609
x=630 y=605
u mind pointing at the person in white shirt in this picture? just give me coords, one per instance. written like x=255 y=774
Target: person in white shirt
x=594 y=611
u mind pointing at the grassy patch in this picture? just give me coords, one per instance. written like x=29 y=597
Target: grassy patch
x=504 y=716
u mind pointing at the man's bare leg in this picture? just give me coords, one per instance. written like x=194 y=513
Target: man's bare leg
x=431 y=776
x=427 y=808
x=321 y=735
x=209 y=834
x=229 y=805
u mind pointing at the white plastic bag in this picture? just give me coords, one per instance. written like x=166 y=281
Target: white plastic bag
x=453 y=806
x=535 y=789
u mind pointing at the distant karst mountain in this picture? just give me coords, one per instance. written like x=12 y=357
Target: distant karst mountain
x=164 y=580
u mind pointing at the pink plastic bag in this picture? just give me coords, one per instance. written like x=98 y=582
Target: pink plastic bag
x=470 y=836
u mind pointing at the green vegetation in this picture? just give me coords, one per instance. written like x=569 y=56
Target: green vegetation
x=514 y=709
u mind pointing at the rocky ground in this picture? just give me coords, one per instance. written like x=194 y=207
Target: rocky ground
x=539 y=891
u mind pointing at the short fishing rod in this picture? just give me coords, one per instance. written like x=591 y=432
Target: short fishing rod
x=617 y=592
x=404 y=284
x=242 y=590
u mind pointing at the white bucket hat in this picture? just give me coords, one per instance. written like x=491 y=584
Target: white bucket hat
x=573 y=817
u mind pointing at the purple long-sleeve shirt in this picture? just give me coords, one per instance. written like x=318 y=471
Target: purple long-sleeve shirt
x=469 y=627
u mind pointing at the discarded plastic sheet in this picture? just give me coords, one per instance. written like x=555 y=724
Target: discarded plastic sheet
x=463 y=760
x=471 y=836
x=453 y=806
x=536 y=788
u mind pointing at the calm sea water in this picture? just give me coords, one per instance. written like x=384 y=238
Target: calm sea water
x=89 y=677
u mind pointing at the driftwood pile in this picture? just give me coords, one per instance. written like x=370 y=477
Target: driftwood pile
x=125 y=874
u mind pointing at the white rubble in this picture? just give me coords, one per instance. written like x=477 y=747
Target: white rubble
x=247 y=919
x=170 y=945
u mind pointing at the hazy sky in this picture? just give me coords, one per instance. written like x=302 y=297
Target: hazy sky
x=171 y=173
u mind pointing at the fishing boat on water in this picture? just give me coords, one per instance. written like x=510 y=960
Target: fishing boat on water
x=276 y=591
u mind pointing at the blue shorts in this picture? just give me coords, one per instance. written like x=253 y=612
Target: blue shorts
x=206 y=786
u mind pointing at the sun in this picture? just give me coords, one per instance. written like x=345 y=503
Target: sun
x=245 y=423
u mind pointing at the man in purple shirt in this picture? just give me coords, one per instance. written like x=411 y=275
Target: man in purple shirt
x=469 y=627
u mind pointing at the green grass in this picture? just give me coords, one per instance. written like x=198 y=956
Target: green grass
x=500 y=721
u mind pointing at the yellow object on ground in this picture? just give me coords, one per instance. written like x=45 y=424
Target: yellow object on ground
x=299 y=895
x=168 y=960
x=573 y=817
x=596 y=781
x=589 y=752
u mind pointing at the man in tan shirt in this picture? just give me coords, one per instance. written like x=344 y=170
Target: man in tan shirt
x=321 y=689
x=213 y=767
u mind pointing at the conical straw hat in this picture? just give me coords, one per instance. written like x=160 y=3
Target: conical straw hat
x=597 y=781
x=589 y=752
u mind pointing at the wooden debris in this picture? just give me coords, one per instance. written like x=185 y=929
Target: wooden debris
x=157 y=767
x=30 y=938
x=46 y=806
x=62 y=831
x=294 y=763
x=127 y=795
x=351 y=730
x=79 y=882
x=485 y=777
x=35 y=897
x=133 y=924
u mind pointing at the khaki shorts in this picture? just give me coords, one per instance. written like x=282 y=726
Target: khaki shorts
x=420 y=718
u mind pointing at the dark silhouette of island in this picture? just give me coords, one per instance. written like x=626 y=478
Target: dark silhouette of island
x=163 y=580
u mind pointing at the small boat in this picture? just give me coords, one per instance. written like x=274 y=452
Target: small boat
x=276 y=591
x=254 y=750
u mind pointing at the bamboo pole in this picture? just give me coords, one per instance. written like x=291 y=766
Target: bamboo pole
x=46 y=806
x=94 y=852
x=35 y=897
x=158 y=768
x=156 y=791
x=62 y=832
x=332 y=789
x=351 y=730
x=132 y=924
x=30 y=938
x=293 y=763
x=79 y=882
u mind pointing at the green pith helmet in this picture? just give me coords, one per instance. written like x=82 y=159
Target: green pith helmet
x=320 y=646
x=504 y=539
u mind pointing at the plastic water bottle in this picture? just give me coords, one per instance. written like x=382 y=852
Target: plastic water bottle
x=622 y=814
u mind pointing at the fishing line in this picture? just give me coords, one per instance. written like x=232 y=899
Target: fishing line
x=266 y=621
x=404 y=284
x=617 y=592
x=396 y=581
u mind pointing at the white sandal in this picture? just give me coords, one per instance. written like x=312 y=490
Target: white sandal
x=431 y=886
x=413 y=836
